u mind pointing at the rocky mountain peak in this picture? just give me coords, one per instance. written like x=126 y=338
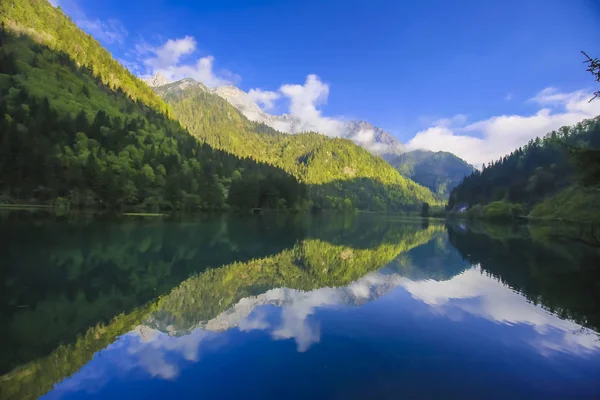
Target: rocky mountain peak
x=179 y=86
x=229 y=90
x=240 y=100
x=372 y=138
x=157 y=80
x=187 y=82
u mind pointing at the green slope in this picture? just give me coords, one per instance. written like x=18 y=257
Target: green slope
x=72 y=134
x=438 y=171
x=50 y=26
x=555 y=176
x=575 y=203
x=336 y=169
x=97 y=136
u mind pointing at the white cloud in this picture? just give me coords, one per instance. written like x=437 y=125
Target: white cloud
x=477 y=142
x=143 y=349
x=475 y=293
x=109 y=31
x=264 y=98
x=551 y=95
x=167 y=60
x=365 y=135
x=490 y=139
x=297 y=306
x=304 y=112
x=170 y=53
x=150 y=350
x=304 y=100
x=471 y=292
x=366 y=138
x=508 y=97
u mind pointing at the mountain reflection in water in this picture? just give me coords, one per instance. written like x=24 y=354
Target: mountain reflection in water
x=360 y=306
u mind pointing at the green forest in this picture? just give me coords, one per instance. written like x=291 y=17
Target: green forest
x=554 y=177
x=69 y=140
x=339 y=174
x=80 y=131
x=438 y=171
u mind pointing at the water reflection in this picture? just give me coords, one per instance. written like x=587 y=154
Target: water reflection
x=478 y=294
x=296 y=306
x=364 y=294
x=562 y=276
x=61 y=278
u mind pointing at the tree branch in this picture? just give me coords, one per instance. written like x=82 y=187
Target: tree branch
x=594 y=69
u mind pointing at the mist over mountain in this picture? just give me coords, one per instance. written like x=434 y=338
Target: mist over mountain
x=438 y=171
x=376 y=140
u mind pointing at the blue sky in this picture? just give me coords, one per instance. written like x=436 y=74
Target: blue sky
x=457 y=67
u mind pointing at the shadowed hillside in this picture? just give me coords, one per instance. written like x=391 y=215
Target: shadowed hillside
x=312 y=158
x=71 y=137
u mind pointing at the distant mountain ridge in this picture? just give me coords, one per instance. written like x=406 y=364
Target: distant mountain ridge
x=339 y=173
x=81 y=131
x=438 y=171
x=376 y=140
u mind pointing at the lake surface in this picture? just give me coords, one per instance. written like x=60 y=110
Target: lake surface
x=294 y=307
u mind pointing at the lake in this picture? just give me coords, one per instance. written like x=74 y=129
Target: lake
x=294 y=307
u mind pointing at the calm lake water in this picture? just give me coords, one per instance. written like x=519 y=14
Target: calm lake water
x=339 y=307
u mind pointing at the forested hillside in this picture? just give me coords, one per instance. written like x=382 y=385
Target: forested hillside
x=438 y=171
x=48 y=25
x=556 y=176
x=68 y=137
x=339 y=173
x=78 y=130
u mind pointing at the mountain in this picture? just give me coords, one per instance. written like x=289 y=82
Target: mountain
x=339 y=174
x=439 y=171
x=49 y=26
x=311 y=264
x=157 y=80
x=167 y=87
x=78 y=130
x=556 y=177
x=374 y=139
